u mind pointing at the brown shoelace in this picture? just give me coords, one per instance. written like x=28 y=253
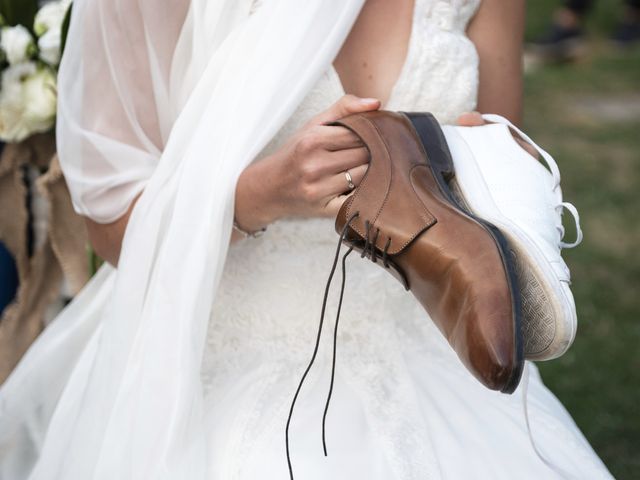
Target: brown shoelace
x=370 y=248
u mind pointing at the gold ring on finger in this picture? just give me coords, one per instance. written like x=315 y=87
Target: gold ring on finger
x=350 y=183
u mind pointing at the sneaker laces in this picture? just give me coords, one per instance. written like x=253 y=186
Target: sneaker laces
x=555 y=186
x=525 y=405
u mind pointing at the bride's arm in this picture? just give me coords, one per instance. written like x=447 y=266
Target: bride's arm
x=106 y=238
x=304 y=178
x=497 y=31
x=114 y=117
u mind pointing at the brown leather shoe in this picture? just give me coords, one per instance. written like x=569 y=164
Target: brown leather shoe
x=404 y=217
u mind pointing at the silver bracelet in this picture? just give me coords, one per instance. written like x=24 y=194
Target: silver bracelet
x=245 y=233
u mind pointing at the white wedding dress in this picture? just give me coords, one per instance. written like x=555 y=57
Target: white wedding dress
x=403 y=405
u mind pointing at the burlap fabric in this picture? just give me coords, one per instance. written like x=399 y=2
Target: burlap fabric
x=61 y=255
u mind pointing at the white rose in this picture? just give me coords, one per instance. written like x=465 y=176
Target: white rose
x=49 y=46
x=17 y=43
x=27 y=101
x=12 y=125
x=50 y=17
x=40 y=100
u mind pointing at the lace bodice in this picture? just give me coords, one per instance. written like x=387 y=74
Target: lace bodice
x=440 y=73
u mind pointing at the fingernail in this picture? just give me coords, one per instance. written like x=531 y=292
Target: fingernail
x=369 y=101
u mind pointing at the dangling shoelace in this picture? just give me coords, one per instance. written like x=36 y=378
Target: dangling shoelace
x=525 y=405
x=555 y=173
x=369 y=247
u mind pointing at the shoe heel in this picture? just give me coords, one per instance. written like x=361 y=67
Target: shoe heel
x=435 y=145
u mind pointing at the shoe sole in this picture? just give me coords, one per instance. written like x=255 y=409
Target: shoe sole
x=440 y=162
x=549 y=318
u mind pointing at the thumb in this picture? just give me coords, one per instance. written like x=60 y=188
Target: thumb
x=471 y=119
x=347 y=105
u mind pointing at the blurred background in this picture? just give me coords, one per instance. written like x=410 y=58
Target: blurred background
x=586 y=111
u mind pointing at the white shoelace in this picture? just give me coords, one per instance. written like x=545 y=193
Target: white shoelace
x=555 y=175
x=525 y=391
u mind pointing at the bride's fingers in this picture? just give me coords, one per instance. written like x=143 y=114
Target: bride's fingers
x=335 y=138
x=333 y=206
x=474 y=119
x=343 y=160
x=338 y=184
x=471 y=119
x=346 y=105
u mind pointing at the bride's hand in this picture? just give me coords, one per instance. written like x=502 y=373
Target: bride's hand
x=474 y=119
x=306 y=177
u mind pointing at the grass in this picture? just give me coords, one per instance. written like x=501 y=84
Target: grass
x=587 y=114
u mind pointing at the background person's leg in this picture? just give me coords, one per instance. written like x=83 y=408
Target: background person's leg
x=564 y=39
x=627 y=32
x=579 y=7
x=8 y=278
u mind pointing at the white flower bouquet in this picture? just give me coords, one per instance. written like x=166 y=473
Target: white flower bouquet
x=31 y=43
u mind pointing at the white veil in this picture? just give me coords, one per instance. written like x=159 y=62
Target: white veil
x=175 y=97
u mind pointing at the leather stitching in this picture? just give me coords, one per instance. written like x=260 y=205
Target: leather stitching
x=365 y=178
x=427 y=217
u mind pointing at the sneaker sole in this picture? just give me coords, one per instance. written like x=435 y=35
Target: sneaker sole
x=549 y=318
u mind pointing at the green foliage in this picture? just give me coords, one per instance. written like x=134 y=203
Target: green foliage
x=587 y=115
x=22 y=12
x=600 y=21
x=95 y=262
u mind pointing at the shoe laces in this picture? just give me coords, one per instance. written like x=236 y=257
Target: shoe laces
x=370 y=245
x=552 y=166
x=371 y=237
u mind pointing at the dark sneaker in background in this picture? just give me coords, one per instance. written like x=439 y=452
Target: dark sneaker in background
x=560 y=44
x=627 y=32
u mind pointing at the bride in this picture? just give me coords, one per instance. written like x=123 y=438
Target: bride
x=185 y=126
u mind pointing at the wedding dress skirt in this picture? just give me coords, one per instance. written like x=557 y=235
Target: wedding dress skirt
x=403 y=405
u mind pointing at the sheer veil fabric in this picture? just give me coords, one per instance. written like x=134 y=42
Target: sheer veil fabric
x=112 y=389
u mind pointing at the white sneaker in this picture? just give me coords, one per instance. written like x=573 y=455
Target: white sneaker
x=500 y=182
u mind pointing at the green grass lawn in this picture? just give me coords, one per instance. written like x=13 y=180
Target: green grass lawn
x=587 y=115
